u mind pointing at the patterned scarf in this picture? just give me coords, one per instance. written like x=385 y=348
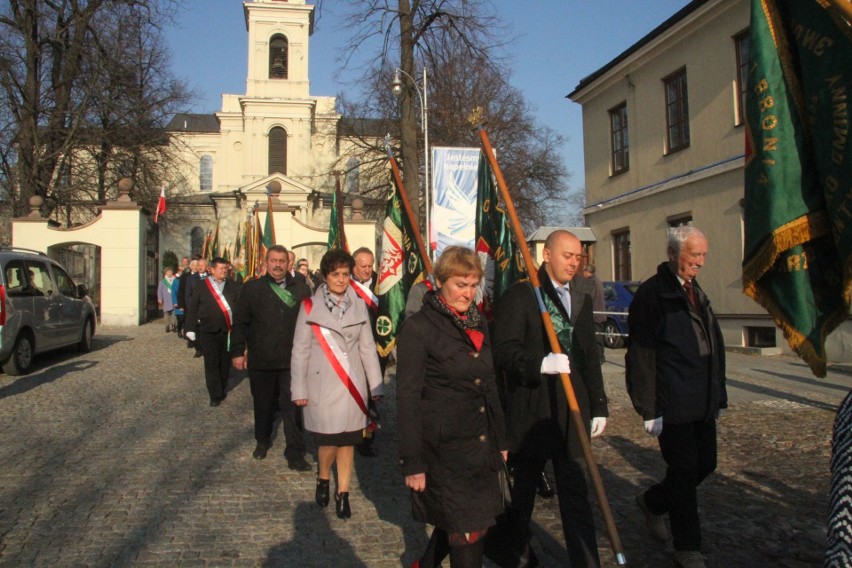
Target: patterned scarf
x=468 y=322
x=337 y=305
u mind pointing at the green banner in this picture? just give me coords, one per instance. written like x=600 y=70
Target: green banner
x=494 y=244
x=797 y=207
x=401 y=268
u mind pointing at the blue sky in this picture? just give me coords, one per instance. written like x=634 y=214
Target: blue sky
x=558 y=42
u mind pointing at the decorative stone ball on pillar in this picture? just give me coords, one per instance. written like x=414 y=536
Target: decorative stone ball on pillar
x=36 y=201
x=357 y=209
x=274 y=188
x=125 y=184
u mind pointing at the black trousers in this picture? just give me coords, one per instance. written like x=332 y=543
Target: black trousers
x=181 y=320
x=578 y=524
x=270 y=390
x=690 y=454
x=217 y=363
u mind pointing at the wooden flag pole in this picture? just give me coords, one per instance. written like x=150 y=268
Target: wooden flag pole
x=341 y=234
x=427 y=264
x=573 y=407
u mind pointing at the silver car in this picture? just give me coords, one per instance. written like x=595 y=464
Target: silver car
x=40 y=309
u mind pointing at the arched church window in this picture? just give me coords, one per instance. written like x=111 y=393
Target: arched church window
x=278 y=57
x=196 y=240
x=205 y=173
x=278 y=151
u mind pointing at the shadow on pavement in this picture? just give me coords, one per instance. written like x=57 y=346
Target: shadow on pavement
x=39 y=378
x=781 y=395
x=314 y=543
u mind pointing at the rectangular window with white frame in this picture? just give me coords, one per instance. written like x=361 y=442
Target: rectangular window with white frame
x=621 y=254
x=677 y=111
x=741 y=42
x=618 y=139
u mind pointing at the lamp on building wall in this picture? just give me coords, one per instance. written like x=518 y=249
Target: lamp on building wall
x=397 y=87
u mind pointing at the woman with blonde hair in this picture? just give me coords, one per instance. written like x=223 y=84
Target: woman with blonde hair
x=452 y=435
x=333 y=361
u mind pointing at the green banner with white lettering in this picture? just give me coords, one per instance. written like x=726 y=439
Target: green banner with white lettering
x=798 y=203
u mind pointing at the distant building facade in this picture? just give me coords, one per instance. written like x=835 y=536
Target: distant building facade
x=275 y=135
x=664 y=135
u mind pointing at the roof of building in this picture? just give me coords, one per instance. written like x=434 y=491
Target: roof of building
x=367 y=127
x=188 y=122
x=585 y=234
x=659 y=30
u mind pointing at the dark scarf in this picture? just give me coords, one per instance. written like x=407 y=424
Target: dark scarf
x=468 y=322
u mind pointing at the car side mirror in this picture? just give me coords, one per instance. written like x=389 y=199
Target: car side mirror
x=82 y=291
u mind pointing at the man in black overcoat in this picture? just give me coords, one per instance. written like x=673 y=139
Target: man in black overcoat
x=538 y=423
x=261 y=341
x=676 y=380
x=208 y=322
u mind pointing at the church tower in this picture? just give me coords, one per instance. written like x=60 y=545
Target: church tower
x=278 y=35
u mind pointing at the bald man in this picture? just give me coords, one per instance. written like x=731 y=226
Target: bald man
x=536 y=407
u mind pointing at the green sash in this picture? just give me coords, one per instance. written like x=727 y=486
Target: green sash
x=561 y=325
x=168 y=284
x=283 y=294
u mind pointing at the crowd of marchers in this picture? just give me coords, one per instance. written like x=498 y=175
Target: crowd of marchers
x=481 y=405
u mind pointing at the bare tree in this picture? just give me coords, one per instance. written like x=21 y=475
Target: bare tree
x=85 y=92
x=460 y=82
x=409 y=29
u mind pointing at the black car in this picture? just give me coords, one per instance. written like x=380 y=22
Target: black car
x=618 y=296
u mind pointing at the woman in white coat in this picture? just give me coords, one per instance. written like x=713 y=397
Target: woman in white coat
x=334 y=359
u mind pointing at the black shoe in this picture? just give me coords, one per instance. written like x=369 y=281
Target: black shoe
x=190 y=344
x=260 y=450
x=168 y=329
x=214 y=402
x=180 y=333
x=341 y=503
x=544 y=488
x=298 y=464
x=322 y=492
x=197 y=355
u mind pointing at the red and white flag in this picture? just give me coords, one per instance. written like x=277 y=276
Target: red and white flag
x=161 y=205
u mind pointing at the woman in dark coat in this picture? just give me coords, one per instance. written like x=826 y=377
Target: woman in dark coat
x=451 y=430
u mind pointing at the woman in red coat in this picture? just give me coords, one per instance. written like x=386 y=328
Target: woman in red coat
x=451 y=430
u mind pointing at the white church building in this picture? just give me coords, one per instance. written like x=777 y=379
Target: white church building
x=276 y=135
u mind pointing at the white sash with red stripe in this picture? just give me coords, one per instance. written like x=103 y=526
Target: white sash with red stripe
x=221 y=301
x=339 y=363
x=366 y=294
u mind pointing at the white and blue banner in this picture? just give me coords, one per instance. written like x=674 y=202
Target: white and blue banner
x=454 y=186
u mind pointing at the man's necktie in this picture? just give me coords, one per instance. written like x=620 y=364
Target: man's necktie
x=690 y=292
x=565 y=297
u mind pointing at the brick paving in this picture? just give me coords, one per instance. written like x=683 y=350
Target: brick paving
x=115 y=459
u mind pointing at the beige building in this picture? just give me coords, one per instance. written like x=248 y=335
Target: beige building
x=275 y=135
x=663 y=132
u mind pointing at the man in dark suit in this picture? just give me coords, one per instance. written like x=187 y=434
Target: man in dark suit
x=536 y=407
x=676 y=380
x=365 y=281
x=261 y=341
x=208 y=322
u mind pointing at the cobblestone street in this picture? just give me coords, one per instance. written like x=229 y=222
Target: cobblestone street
x=114 y=458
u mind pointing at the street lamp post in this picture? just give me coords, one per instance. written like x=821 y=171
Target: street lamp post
x=397 y=90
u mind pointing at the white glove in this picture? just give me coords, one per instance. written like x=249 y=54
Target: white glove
x=555 y=363
x=654 y=427
x=190 y=335
x=598 y=426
